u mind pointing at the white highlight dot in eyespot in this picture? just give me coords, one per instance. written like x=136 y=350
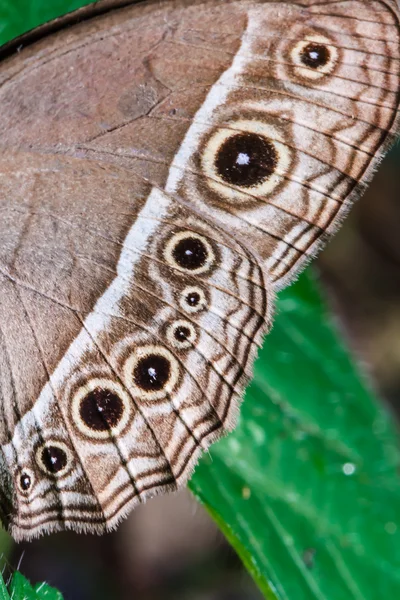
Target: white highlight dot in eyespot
x=243 y=159
x=246 y=160
x=314 y=57
x=151 y=372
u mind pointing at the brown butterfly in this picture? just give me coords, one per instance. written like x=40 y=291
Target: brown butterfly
x=164 y=168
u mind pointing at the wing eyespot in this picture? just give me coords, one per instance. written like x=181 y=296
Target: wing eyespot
x=54 y=458
x=101 y=408
x=315 y=57
x=151 y=372
x=182 y=334
x=189 y=252
x=245 y=160
x=25 y=481
x=193 y=299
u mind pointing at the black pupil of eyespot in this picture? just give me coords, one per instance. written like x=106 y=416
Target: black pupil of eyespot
x=182 y=333
x=193 y=298
x=25 y=482
x=54 y=458
x=315 y=55
x=152 y=372
x=246 y=159
x=101 y=409
x=190 y=253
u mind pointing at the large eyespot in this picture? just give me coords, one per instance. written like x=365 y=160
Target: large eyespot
x=314 y=57
x=190 y=252
x=54 y=458
x=249 y=156
x=151 y=372
x=182 y=334
x=25 y=481
x=193 y=299
x=246 y=159
x=100 y=408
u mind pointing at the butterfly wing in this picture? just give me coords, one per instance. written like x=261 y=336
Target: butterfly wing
x=154 y=375
x=135 y=272
x=309 y=93
x=290 y=134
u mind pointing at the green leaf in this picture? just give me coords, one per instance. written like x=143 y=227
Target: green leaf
x=19 y=16
x=4 y=595
x=21 y=589
x=307 y=487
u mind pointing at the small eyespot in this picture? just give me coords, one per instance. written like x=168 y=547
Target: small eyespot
x=151 y=372
x=54 y=458
x=246 y=160
x=182 y=334
x=26 y=480
x=101 y=407
x=314 y=57
x=190 y=252
x=193 y=299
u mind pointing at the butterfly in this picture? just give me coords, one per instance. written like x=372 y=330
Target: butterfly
x=165 y=168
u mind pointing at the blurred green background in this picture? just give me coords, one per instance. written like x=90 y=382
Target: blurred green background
x=170 y=548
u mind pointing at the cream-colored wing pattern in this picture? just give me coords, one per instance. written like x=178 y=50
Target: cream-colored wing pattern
x=164 y=167
x=155 y=375
x=292 y=132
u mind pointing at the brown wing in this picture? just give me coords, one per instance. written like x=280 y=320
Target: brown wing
x=129 y=322
x=61 y=202
x=144 y=151
x=290 y=135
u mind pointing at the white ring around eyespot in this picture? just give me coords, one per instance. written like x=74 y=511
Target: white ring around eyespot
x=188 y=342
x=55 y=444
x=308 y=72
x=103 y=384
x=142 y=352
x=178 y=237
x=192 y=290
x=235 y=192
x=30 y=473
